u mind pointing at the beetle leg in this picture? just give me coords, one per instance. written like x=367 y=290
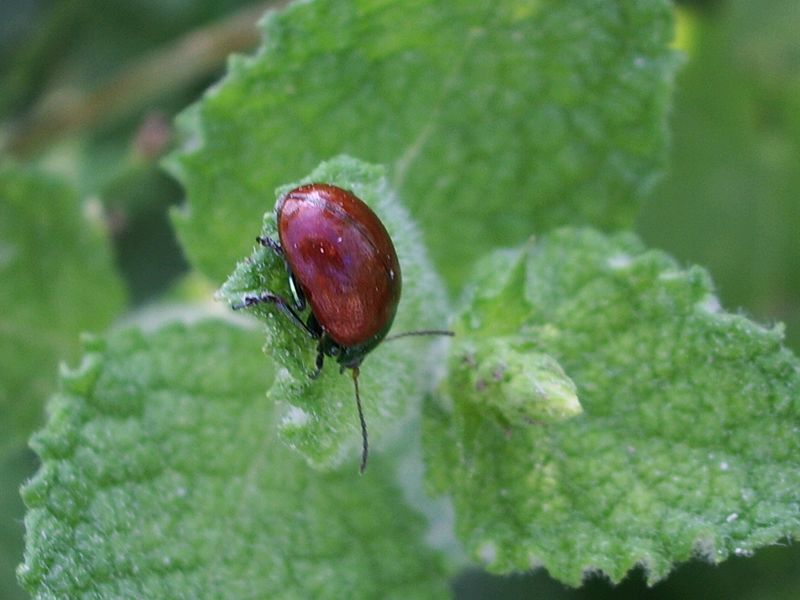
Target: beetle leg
x=273 y=245
x=318 y=363
x=313 y=325
x=283 y=306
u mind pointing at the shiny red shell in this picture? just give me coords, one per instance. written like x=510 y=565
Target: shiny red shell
x=343 y=259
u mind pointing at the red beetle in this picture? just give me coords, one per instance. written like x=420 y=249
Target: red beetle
x=341 y=261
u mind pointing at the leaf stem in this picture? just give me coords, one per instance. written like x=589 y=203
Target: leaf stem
x=65 y=110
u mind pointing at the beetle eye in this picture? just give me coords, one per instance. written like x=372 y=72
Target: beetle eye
x=335 y=350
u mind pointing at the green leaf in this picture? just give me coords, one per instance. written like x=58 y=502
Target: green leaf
x=161 y=478
x=688 y=442
x=494 y=119
x=511 y=377
x=319 y=416
x=57 y=280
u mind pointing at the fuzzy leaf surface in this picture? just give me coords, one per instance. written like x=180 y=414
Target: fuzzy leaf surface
x=161 y=477
x=495 y=119
x=688 y=442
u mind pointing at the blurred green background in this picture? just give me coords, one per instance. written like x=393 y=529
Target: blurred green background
x=88 y=90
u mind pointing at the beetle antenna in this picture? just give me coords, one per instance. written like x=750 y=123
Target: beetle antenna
x=420 y=332
x=365 y=446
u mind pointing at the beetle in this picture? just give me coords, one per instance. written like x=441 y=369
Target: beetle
x=342 y=263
